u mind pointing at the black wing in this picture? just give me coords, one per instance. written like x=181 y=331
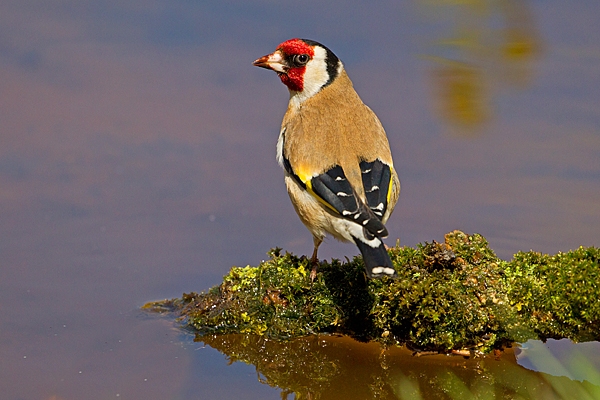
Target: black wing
x=334 y=190
x=376 y=177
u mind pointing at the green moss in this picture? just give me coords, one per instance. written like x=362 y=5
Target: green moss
x=275 y=299
x=559 y=296
x=448 y=296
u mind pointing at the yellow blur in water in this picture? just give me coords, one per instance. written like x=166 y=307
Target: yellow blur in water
x=487 y=46
x=462 y=94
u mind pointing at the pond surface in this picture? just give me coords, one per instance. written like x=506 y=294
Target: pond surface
x=137 y=162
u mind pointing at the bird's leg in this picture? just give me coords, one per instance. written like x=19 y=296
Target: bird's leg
x=314 y=260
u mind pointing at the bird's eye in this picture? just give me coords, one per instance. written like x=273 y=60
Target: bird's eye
x=301 y=59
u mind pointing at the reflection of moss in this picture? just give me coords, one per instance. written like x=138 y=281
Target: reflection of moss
x=330 y=367
x=448 y=296
x=300 y=367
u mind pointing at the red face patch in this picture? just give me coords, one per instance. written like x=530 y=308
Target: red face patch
x=296 y=46
x=294 y=79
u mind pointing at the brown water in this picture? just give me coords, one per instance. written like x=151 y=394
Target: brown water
x=137 y=162
x=326 y=367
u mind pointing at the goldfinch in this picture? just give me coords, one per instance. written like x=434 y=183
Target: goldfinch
x=338 y=165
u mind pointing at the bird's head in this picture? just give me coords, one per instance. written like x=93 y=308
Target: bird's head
x=304 y=66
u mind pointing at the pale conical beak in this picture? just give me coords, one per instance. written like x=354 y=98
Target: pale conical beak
x=272 y=61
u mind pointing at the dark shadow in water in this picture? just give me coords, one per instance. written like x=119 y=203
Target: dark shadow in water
x=333 y=367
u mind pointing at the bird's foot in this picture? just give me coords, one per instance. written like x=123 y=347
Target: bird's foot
x=315 y=267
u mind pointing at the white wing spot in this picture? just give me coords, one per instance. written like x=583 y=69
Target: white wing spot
x=339 y=178
x=374 y=188
x=366 y=171
x=342 y=194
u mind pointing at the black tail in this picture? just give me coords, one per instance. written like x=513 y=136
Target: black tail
x=377 y=260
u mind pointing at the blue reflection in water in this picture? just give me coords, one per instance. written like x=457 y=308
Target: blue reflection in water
x=579 y=361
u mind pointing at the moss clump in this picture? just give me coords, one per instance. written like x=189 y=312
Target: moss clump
x=448 y=296
x=275 y=299
x=558 y=296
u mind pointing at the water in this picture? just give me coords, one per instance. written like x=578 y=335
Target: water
x=137 y=162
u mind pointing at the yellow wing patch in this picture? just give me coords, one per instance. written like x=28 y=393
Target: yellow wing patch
x=310 y=190
x=391 y=185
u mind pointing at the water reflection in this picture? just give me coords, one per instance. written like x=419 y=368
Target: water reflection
x=579 y=361
x=326 y=367
x=486 y=45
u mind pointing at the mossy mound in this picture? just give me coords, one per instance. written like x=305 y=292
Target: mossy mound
x=448 y=296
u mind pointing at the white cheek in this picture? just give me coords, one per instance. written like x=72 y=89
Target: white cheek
x=315 y=76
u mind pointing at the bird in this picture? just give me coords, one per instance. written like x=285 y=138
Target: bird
x=335 y=154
